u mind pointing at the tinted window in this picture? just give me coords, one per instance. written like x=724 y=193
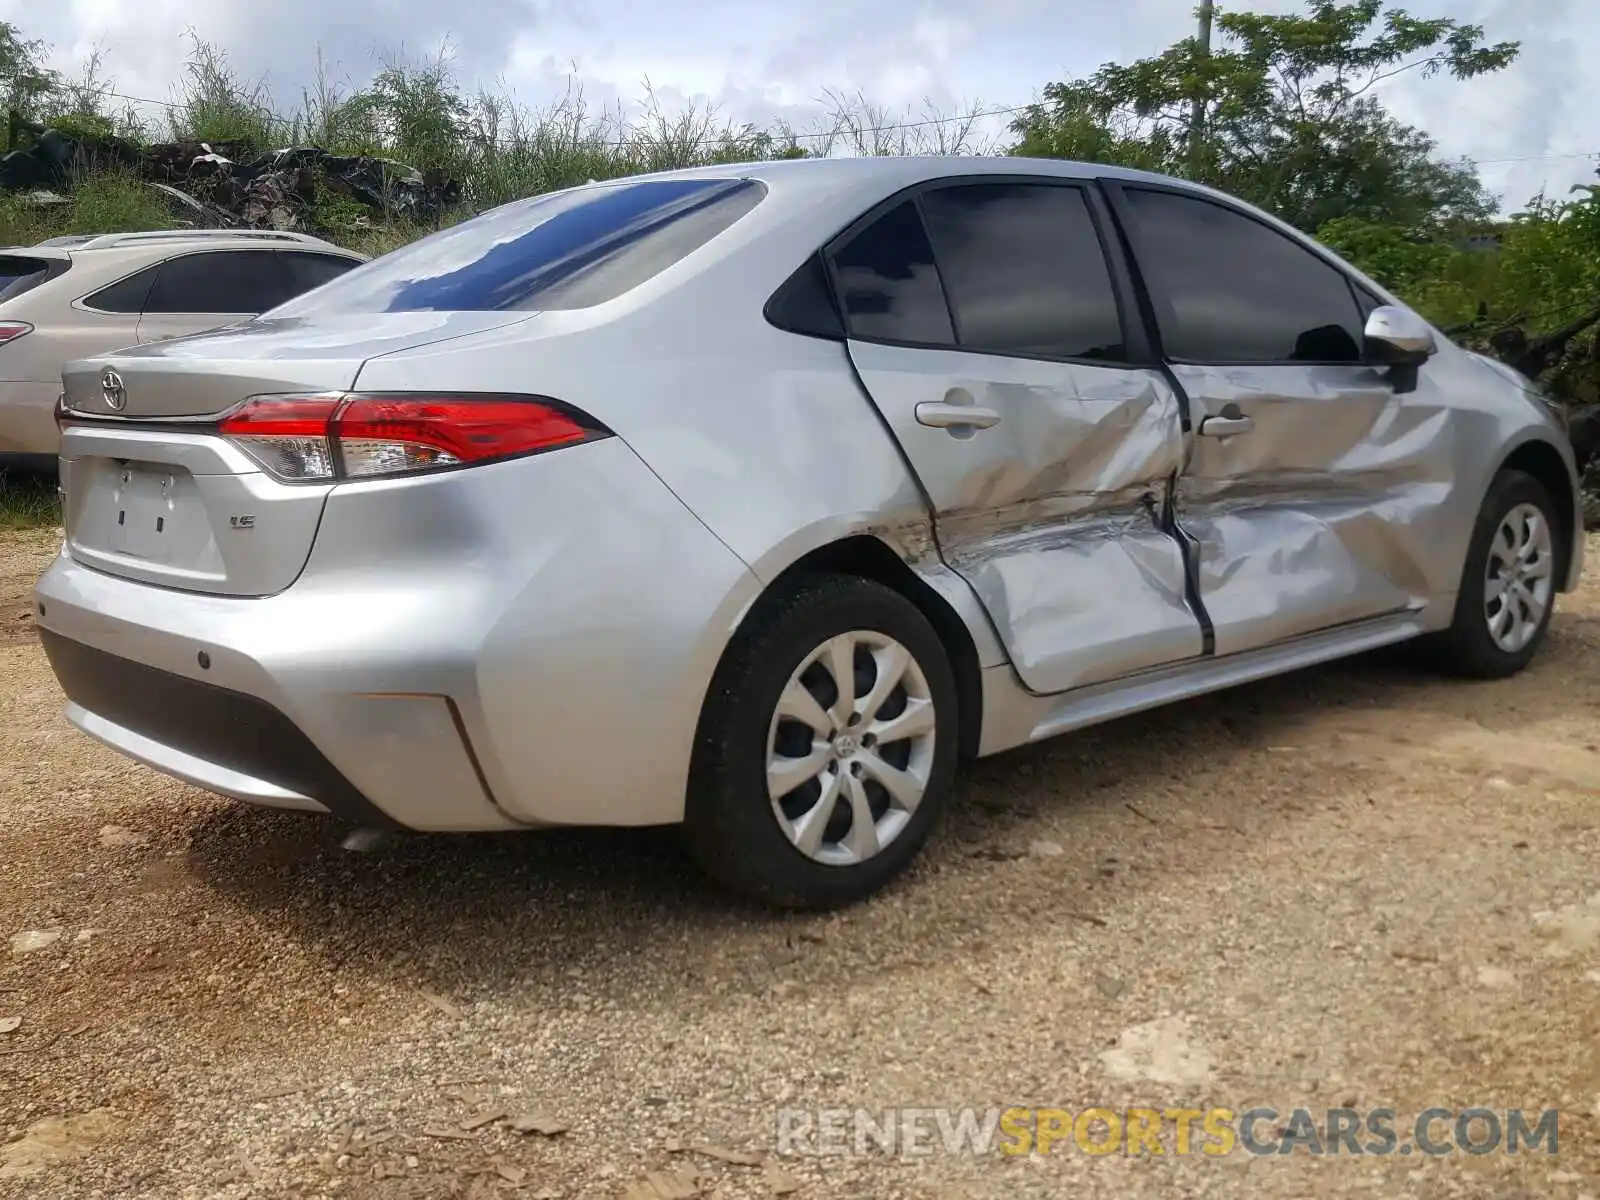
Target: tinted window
x=307 y=271
x=887 y=282
x=126 y=295
x=1229 y=289
x=18 y=274
x=573 y=249
x=804 y=304
x=221 y=281
x=1024 y=270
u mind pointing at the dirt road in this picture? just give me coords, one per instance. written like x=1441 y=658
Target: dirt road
x=1358 y=887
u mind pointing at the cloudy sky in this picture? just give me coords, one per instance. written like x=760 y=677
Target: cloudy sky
x=762 y=59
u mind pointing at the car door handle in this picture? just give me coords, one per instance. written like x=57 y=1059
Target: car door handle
x=1226 y=426
x=955 y=416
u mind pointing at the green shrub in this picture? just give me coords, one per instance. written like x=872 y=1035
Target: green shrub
x=116 y=202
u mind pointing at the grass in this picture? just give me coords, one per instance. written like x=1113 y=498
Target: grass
x=99 y=202
x=28 y=502
x=416 y=111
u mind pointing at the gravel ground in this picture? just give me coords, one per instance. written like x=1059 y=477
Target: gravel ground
x=1358 y=886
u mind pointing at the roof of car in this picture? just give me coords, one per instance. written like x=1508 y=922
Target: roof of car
x=912 y=167
x=890 y=172
x=74 y=244
x=42 y=250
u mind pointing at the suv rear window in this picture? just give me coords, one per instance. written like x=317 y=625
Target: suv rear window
x=19 y=273
x=574 y=249
x=219 y=282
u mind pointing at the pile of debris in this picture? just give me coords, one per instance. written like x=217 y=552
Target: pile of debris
x=222 y=185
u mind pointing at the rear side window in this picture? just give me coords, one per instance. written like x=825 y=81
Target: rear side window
x=569 y=250
x=888 y=286
x=804 y=304
x=126 y=295
x=1228 y=289
x=220 y=282
x=1024 y=270
x=307 y=271
x=19 y=274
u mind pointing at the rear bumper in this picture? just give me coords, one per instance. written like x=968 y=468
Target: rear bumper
x=224 y=741
x=516 y=645
x=409 y=750
x=28 y=420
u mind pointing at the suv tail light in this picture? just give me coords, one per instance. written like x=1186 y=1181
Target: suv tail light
x=10 y=331
x=367 y=435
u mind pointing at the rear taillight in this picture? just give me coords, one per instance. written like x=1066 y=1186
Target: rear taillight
x=10 y=331
x=291 y=436
x=367 y=435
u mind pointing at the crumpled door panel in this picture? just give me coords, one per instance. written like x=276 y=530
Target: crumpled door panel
x=1323 y=512
x=1054 y=514
x=1083 y=600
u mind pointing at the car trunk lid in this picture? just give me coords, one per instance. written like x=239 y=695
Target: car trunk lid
x=154 y=493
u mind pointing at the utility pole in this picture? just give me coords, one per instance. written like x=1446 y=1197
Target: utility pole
x=1197 y=111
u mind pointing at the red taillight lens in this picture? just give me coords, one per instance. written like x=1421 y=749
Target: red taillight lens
x=369 y=435
x=10 y=331
x=379 y=435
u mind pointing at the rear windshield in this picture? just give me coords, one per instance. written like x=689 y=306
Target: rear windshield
x=568 y=250
x=18 y=274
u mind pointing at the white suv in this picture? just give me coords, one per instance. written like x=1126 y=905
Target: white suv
x=72 y=297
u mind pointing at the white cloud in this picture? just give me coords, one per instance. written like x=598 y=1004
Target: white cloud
x=763 y=59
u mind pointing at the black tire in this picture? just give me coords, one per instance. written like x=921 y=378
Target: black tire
x=730 y=826
x=1467 y=648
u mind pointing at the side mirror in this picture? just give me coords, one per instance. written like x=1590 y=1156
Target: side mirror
x=1397 y=337
x=1400 y=340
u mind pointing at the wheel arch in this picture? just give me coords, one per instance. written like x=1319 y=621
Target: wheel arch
x=1540 y=459
x=868 y=557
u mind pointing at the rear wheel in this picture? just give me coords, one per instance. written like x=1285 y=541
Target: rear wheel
x=1508 y=586
x=827 y=747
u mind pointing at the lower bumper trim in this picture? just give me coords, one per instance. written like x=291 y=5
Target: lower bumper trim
x=222 y=740
x=188 y=768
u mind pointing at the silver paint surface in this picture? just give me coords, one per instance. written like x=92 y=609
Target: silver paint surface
x=205 y=485
x=1345 y=500
x=1318 y=515
x=579 y=689
x=1052 y=513
x=573 y=606
x=1012 y=717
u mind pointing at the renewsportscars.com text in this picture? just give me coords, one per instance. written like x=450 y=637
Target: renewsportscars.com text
x=1213 y=1132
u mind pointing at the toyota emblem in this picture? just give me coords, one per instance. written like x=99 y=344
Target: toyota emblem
x=114 y=390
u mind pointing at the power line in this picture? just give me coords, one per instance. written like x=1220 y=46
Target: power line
x=962 y=118
x=1498 y=162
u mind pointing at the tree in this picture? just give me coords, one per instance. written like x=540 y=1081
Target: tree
x=1289 y=115
x=24 y=80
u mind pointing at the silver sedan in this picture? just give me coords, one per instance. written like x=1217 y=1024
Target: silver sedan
x=754 y=498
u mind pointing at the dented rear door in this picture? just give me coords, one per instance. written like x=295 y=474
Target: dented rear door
x=1046 y=458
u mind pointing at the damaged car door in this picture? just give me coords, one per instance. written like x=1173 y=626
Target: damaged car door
x=1311 y=484
x=992 y=331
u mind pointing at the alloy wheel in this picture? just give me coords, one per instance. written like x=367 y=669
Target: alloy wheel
x=850 y=747
x=1519 y=578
